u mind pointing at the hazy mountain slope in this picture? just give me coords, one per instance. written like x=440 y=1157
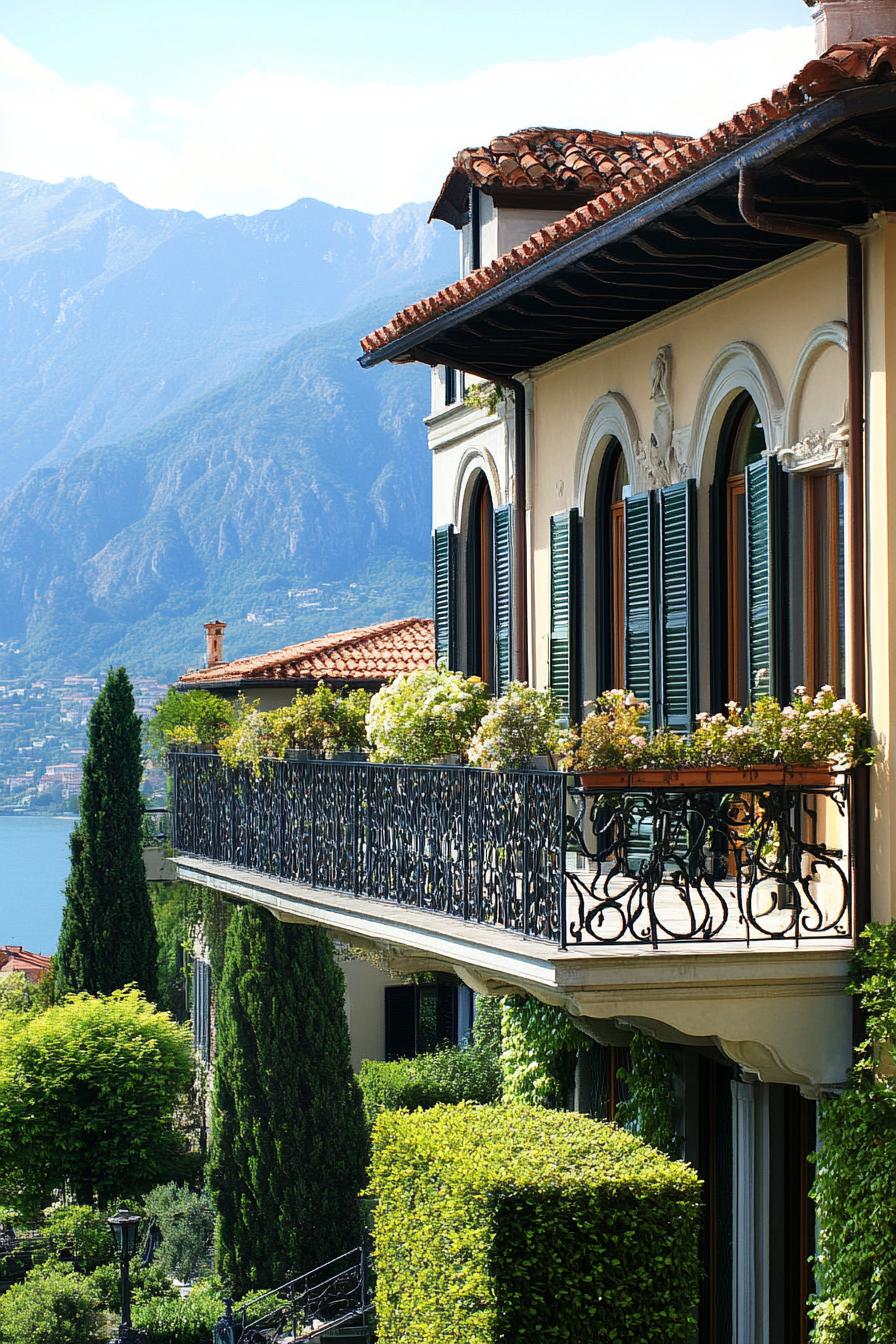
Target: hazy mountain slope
x=307 y=471
x=114 y=315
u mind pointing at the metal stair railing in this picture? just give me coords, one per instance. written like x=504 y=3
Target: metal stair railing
x=304 y=1308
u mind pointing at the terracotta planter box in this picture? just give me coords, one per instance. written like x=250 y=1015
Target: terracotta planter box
x=605 y=779
x=819 y=776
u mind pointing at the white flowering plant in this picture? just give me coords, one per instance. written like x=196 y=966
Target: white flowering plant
x=422 y=715
x=520 y=724
x=611 y=737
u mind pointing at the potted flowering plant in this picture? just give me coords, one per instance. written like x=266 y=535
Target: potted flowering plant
x=519 y=730
x=610 y=743
x=423 y=716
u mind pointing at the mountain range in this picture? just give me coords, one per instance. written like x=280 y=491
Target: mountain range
x=187 y=432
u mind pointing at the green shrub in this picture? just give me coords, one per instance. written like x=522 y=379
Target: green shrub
x=52 y=1306
x=179 y=1320
x=146 y=1281
x=80 y=1234
x=447 y=1075
x=185 y=1320
x=513 y=1223
x=187 y=1223
x=188 y=717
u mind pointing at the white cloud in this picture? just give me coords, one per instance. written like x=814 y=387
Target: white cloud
x=264 y=140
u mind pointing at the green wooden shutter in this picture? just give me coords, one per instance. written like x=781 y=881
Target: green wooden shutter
x=564 y=606
x=677 y=606
x=503 y=580
x=639 y=599
x=443 y=593
x=760 y=481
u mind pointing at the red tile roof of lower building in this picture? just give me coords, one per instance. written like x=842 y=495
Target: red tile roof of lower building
x=33 y=965
x=847 y=65
x=371 y=653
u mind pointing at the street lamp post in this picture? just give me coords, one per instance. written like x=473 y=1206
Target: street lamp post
x=124 y=1226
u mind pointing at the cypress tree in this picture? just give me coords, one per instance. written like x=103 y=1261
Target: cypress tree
x=289 y=1141
x=108 y=938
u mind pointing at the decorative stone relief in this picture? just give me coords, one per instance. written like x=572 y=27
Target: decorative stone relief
x=665 y=458
x=817 y=450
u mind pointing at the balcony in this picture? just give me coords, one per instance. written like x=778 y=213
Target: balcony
x=607 y=899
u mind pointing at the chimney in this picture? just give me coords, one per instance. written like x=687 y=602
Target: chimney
x=214 y=643
x=850 y=20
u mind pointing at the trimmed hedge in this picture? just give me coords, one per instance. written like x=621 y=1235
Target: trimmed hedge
x=513 y=1223
x=444 y=1076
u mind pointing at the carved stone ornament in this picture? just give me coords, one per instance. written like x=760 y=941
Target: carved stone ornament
x=663 y=460
x=818 y=450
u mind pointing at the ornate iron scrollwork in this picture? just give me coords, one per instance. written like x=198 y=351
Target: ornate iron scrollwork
x=707 y=864
x=480 y=845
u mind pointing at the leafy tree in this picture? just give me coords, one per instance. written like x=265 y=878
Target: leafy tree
x=79 y=1233
x=186 y=1221
x=289 y=1136
x=108 y=937
x=88 y=1094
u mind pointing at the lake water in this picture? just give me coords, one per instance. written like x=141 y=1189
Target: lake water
x=34 y=863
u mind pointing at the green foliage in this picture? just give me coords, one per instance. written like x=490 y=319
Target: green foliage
x=196 y=717
x=855 y=1267
x=810 y=729
x=649 y=1108
x=422 y=715
x=80 y=1233
x=52 y=1306
x=322 y=722
x=88 y=1093
x=179 y=908
x=289 y=1136
x=485 y=397
x=517 y=1223
x=487 y=1026
x=15 y=993
x=520 y=724
x=187 y=1223
x=179 y=1320
x=108 y=938
x=147 y=1281
x=448 y=1075
x=538 y=1055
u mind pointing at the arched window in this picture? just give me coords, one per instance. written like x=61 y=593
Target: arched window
x=480 y=583
x=613 y=487
x=745 y=480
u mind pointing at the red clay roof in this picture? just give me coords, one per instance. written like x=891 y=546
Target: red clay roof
x=548 y=159
x=33 y=965
x=372 y=653
x=847 y=65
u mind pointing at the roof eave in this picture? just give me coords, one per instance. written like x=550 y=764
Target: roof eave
x=785 y=135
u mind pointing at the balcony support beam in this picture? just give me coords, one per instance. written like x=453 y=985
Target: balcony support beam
x=777 y=1011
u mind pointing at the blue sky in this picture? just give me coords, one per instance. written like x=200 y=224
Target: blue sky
x=235 y=106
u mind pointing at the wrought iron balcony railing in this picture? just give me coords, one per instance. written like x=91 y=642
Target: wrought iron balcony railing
x=533 y=852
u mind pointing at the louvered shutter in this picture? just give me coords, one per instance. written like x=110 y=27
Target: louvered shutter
x=443 y=594
x=564 y=607
x=502 y=570
x=639 y=603
x=760 y=482
x=677 y=606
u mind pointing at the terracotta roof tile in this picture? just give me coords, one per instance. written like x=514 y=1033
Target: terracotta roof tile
x=549 y=159
x=33 y=965
x=371 y=653
x=847 y=65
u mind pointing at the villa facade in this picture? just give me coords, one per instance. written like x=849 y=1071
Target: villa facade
x=660 y=438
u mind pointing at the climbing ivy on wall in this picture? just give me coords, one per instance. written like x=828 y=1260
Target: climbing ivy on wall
x=649 y=1108
x=855 y=1185
x=538 y=1052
